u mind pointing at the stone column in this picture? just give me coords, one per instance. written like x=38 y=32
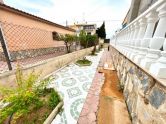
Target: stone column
x=159 y=68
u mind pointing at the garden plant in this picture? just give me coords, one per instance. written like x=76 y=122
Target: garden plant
x=30 y=102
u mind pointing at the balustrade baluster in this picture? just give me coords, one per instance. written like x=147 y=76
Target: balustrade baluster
x=159 y=67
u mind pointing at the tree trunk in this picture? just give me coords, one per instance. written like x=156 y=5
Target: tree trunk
x=67 y=49
x=94 y=49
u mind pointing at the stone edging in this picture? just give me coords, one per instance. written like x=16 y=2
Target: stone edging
x=53 y=113
x=89 y=111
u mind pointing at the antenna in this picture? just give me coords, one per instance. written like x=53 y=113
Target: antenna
x=83 y=17
x=66 y=23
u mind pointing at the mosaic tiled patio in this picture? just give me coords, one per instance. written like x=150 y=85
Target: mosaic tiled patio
x=73 y=83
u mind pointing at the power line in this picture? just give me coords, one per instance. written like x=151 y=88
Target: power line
x=95 y=21
x=106 y=21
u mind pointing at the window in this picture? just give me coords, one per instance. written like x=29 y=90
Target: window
x=89 y=33
x=55 y=35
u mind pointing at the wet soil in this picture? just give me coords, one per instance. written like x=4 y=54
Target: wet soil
x=112 y=107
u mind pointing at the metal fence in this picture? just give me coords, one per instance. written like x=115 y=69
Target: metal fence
x=25 y=45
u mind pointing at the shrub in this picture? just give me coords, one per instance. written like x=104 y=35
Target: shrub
x=54 y=99
x=23 y=98
x=84 y=62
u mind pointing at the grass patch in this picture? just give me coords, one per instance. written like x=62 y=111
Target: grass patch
x=93 y=54
x=83 y=62
x=99 y=49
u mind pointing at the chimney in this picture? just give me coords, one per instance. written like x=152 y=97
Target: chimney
x=1 y=1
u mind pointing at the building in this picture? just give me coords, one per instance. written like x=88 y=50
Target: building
x=88 y=28
x=139 y=55
x=27 y=35
x=137 y=7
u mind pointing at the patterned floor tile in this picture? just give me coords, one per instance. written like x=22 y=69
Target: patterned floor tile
x=64 y=75
x=73 y=92
x=73 y=83
x=86 y=86
x=76 y=107
x=77 y=73
x=68 y=82
x=83 y=78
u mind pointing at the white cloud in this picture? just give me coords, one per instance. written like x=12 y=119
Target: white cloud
x=93 y=11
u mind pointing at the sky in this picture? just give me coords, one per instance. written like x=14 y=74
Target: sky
x=77 y=11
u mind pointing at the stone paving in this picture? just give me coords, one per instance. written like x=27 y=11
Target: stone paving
x=89 y=111
x=73 y=83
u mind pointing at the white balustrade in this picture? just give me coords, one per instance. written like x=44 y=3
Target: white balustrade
x=130 y=40
x=143 y=40
x=135 y=36
x=157 y=41
x=151 y=20
x=159 y=67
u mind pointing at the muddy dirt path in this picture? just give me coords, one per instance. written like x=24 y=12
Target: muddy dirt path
x=112 y=107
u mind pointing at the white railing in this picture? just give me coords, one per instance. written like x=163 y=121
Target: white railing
x=143 y=40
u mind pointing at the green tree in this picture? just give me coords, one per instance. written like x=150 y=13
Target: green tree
x=76 y=40
x=101 y=31
x=88 y=40
x=92 y=41
x=83 y=39
x=68 y=40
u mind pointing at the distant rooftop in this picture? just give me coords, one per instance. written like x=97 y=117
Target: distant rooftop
x=80 y=24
